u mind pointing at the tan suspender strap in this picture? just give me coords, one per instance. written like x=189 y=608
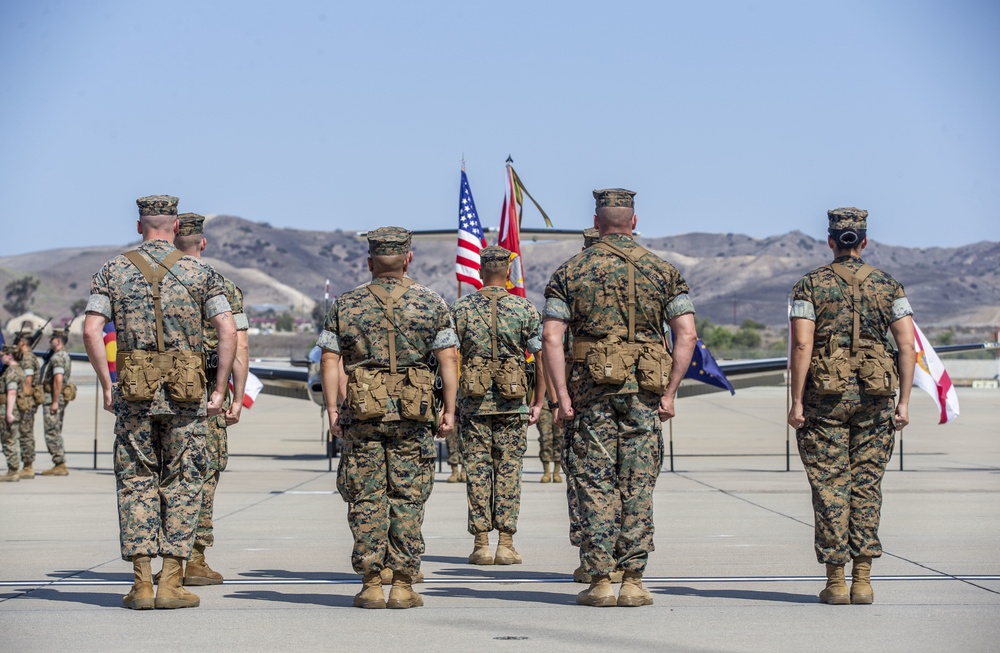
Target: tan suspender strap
x=388 y=300
x=154 y=278
x=630 y=261
x=855 y=279
x=493 y=329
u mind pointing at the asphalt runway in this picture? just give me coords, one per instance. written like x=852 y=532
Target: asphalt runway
x=734 y=568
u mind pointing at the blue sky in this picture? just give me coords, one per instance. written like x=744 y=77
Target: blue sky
x=724 y=116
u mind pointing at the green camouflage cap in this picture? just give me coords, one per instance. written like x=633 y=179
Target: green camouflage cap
x=157 y=205
x=10 y=350
x=847 y=218
x=191 y=224
x=615 y=197
x=494 y=257
x=590 y=236
x=62 y=334
x=388 y=241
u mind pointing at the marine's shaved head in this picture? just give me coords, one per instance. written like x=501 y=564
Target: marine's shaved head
x=615 y=218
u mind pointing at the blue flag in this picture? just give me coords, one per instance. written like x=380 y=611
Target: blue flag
x=704 y=368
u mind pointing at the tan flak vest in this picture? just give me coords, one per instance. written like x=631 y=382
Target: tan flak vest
x=369 y=389
x=141 y=373
x=509 y=373
x=831 y=367
x=610 y=360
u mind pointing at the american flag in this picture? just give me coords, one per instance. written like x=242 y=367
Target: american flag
x=470 y=238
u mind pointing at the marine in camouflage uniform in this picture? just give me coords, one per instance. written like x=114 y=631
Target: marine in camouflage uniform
x=613 y=433
x=160 y=453
x=11 y=383
x=454 y=444
x=55 y=377
x=191 y=240
x=494 y=428
x=386 y=471
x=550 y=437
x=31 y=366
x=845 y=440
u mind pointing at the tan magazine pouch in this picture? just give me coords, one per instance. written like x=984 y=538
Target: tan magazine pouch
x=653 y=368
x=609 y=361
x=25 y=401
x=476 y=378
x=38 y=393
x=366 y=393
x=878 y=374
x=68 y=392
x=830 y=370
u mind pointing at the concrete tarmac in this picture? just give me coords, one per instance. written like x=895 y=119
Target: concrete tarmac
x=733 y=570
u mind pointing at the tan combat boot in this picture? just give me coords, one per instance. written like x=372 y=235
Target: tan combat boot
x=58 y=470
x=861 y=581
x=506 y=553
x=402 y=596
x=632 y=594
x=169 y=593
x=12 y=476
x=371 y=596
x=456 y=475
x=546 y=473
x=599 y=594
x=463 y=477
x=140 y=597
x=28 y=472
x=581 y=576
x=556 y=476
x=387 y=577
x=481 y=554
x=835 y=592
x=197 y=571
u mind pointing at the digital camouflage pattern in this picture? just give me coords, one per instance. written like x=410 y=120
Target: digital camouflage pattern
x=157 y=205
x=190 y=224
x=356 y=328
x=614 y=197
x=847 y=218
x=12 y=378
x=847 y=439
x=614 y=444
x=386 y=470
x=550 y=436
x=31 y=366
x=494 y=447
x=494 y=429
x=518 y=330
x=59 y=363
x=216 y=437
x=160 y=453
x=386 y=474
x=388 y=241
x=453 y=442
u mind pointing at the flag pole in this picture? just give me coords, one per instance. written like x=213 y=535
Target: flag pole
x=98 y=395
x=671 y=423
x=900 y=449
x=788 y=390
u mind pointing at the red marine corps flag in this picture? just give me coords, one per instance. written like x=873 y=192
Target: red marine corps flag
x=510 y=227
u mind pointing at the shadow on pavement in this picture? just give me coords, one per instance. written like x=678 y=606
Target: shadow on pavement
x=104 y=600
x=325 y=600
x=746 y=595
x=529 y=596
x=284 y=574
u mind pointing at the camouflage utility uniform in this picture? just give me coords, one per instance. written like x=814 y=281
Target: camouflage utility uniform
x=494 y=429
x=386 y=471
x=614 y=444
x=59 y=363
x=216 y=438
x=30 y=364
x=550 y=437
x=10 y=434
x=847 y=439
x=160 y=459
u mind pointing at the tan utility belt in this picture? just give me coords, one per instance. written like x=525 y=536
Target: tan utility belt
x=141 y=373
x=613 y=361
x=583 y=344
x=164 y=360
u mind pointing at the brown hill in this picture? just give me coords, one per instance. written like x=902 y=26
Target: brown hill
x=733 y=277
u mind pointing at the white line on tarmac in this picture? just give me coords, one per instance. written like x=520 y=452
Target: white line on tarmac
x=74 y=582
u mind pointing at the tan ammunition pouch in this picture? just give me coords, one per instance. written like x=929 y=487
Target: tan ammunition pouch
x=141 y=373
x=68 y=393
x=512 y=379
x=476 y=377
x=416 y=396
x=25 y=401
x=653 y=368
x=609 y=360
x=38 y=393
x=366 y=393
x=830 y=369
x=877 y=375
